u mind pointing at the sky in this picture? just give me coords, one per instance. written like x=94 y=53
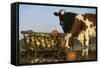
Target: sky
x=41 y=18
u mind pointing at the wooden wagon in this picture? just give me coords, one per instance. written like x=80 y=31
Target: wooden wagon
x=44 y=44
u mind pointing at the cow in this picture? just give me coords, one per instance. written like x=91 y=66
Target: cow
x=83 y=26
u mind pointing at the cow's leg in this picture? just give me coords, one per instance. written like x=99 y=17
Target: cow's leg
x=83 y=50
x=71 y=42
x=67 y=37
x=87 y=43
x=81 y=39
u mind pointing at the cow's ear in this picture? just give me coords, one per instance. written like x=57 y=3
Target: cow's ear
x=56 y=14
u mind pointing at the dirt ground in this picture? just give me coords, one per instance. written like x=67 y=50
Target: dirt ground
x=91 y=56
x=51 y=56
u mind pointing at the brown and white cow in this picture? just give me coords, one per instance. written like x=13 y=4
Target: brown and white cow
x=81 y=25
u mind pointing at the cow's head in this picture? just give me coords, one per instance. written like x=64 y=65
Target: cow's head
x=62 y=15
x=61 y=12
x=66 y=19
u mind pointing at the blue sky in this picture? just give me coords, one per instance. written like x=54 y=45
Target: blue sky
x=41 y=18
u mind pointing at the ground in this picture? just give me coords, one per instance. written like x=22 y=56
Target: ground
x=47 y=55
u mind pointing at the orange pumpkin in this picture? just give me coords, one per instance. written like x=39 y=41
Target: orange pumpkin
x=71 y=56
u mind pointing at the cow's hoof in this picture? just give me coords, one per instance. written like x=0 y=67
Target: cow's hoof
x=83 y=54
x=86 y=56
x=68 y=47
